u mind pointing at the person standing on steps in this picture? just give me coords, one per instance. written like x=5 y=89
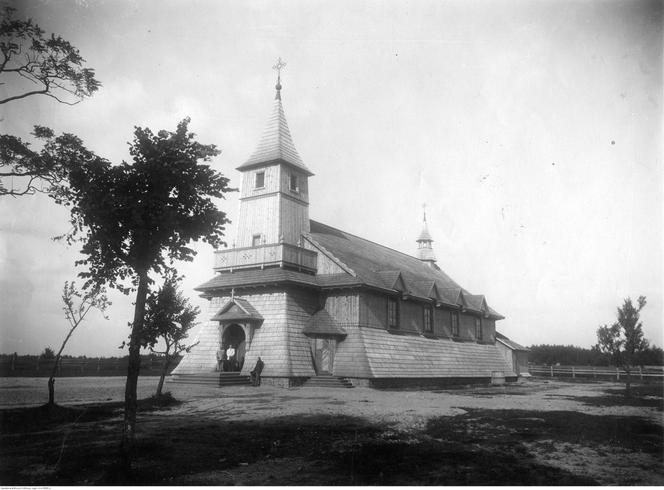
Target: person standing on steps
x=255 y=375
x=220 y=360
x=230 y=355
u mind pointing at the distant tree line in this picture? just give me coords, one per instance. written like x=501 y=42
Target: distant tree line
x=45 y=355
x=567 y=355
x=32 y=365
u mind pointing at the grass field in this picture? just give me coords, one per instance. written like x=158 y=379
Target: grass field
x=533 y=433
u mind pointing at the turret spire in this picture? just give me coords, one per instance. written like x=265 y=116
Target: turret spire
x=424 y=242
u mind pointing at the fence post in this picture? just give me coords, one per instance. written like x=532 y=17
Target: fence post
x=617 y=373
x=552 y=371
x=641 y=373
x=573 y=373
x=98 y=364
x=594 y=372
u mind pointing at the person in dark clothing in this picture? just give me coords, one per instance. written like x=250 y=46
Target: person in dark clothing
x=255 y=375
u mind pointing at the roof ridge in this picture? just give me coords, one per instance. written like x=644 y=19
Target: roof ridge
x=342 y=265
x=370 y=241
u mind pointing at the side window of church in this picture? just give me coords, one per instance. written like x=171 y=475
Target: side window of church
x=455 y=323
x=255 y=240
x=293 y=182
x=428 y=323
x=478 y=328
x=392 y=313
x=260 y=180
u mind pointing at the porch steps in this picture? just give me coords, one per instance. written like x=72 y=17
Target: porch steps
x=232 y=379
x=327 y=381
x=210 y=379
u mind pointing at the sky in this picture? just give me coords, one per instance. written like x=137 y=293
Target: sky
x=530 y=128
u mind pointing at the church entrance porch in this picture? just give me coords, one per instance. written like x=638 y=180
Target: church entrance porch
x=233 y=348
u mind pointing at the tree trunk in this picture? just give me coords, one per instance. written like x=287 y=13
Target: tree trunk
x=51 y=391
x=164 y=372
x=133 y=368
x=51 y=380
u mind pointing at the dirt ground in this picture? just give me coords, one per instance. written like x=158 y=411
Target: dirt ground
x=537 y=432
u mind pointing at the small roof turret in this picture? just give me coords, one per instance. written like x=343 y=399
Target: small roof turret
x=424 y=243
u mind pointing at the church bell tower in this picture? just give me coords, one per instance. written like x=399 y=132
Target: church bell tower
x=274 y=200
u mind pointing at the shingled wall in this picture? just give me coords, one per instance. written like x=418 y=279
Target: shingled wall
x=203 y=357
x=375 y=353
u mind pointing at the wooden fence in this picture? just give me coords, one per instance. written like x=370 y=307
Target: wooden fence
x=34 y=367
x=639 y=373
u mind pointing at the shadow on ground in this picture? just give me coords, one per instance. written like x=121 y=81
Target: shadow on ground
x=73 y=446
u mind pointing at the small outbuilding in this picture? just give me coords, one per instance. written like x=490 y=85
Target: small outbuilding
x=515 y=355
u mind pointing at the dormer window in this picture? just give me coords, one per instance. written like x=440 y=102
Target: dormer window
x=455 y=323
x=478 y=328
x=293 y=182
x=392 y=313
x=259 y=183
x=428 y=319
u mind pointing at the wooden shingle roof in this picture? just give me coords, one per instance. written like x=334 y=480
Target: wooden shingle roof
x=371 y=264
x=510 y=343
x=380 y=266
x=254 y=277
x=276 y=144
x=322 y=322
x=237 y=309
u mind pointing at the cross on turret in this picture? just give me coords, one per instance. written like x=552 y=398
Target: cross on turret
x=278 y=67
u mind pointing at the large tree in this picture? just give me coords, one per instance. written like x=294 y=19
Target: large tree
x=134 y=219
x=624 y=339
x=168 y=319
x=35 y=64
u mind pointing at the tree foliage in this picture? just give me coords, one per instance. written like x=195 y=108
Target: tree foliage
x=35 y=64
x=566 y=355
x=168 y=319
x=571 y=355
x=29 y=171
x=139 y=216
x=48 y=353
x=624 y=339
x=134 y=219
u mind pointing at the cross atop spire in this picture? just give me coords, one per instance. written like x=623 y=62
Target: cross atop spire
x=279 y=65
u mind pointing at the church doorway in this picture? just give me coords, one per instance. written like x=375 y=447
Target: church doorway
x=324 y=355
x=233 y=345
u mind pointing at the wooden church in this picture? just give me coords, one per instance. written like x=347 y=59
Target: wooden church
x=312 y=300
